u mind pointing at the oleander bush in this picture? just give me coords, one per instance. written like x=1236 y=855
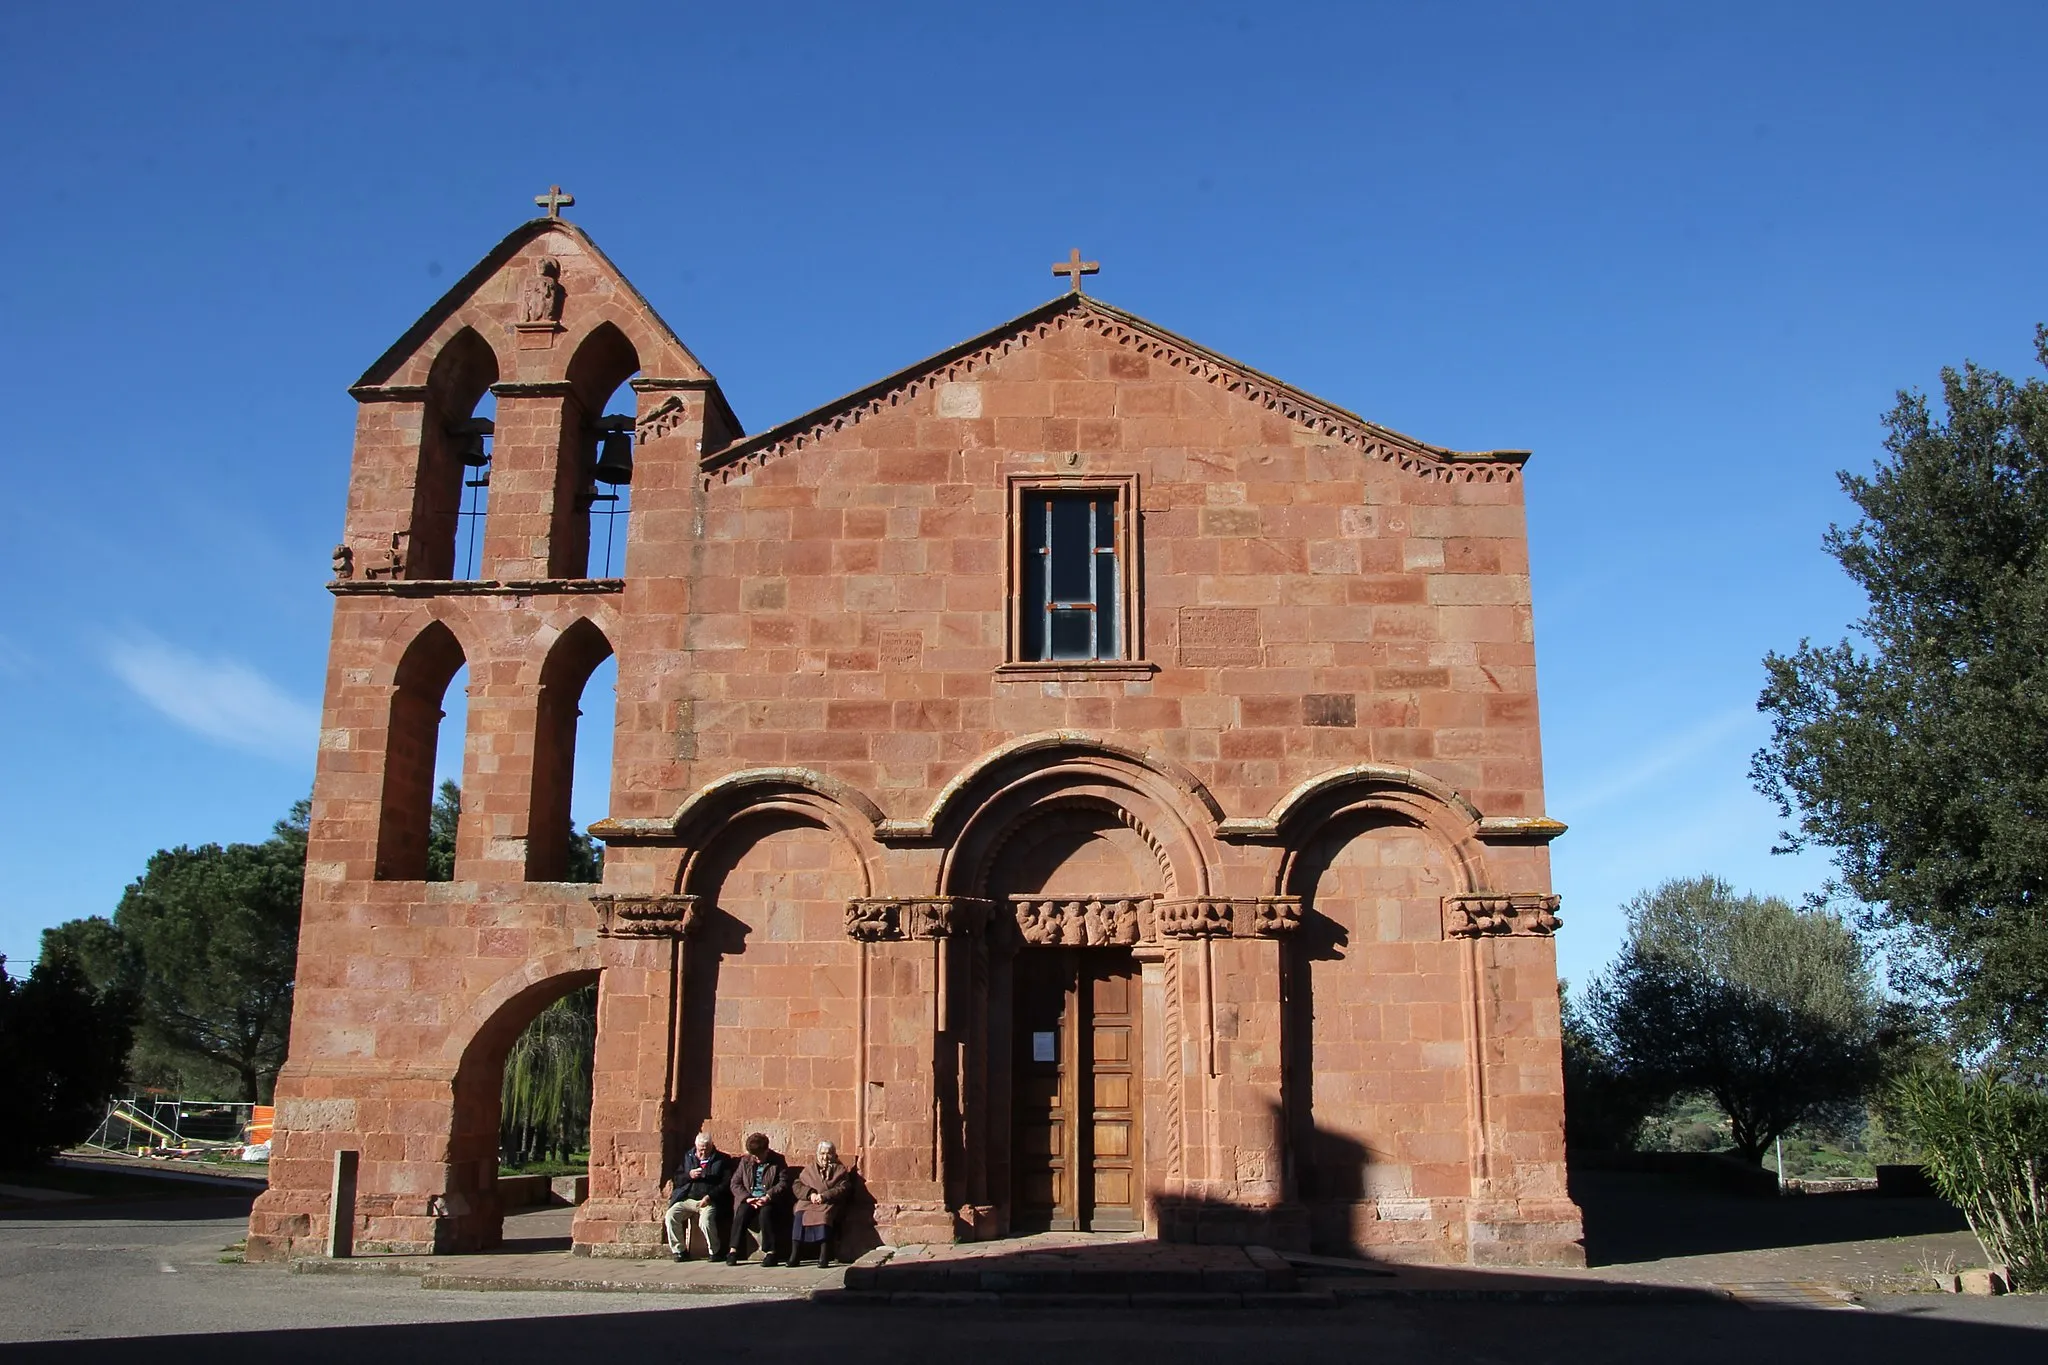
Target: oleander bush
x=1985 y=1144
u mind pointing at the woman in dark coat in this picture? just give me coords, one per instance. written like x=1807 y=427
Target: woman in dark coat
x=821 y=1190
x=760 y=1182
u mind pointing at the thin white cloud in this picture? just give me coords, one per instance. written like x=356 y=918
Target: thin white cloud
x=221 y=699
x=1645 y=768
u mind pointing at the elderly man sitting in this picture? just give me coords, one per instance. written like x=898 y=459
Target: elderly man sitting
x=701 y=1187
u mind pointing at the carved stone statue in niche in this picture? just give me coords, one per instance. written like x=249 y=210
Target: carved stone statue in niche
x=540 y=296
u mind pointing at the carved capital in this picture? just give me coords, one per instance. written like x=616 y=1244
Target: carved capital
x=645 y=916
x=1275 y=916
x=874 y=919
x=1522 y=912
x=1229 y=916
x=1079 y=921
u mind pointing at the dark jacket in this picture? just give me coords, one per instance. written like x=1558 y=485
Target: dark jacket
x=831 y=1186
x=774 y=1179
x=709 y=1176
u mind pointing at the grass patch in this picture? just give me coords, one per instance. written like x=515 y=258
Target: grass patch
x=578 y=1164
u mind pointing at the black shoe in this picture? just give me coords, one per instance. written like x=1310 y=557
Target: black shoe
x=767 y=1261
x=824 y=1263
x=732 y=1258
x=679 y=1256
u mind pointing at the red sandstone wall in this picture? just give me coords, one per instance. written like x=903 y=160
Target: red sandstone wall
x=839 y=607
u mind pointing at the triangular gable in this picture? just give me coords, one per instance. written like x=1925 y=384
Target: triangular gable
x=1148 y=338
x=465 y=289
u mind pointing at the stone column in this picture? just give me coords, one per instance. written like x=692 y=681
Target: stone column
x=642 y=946
x=533 y=473
x=1519 y=1212
x=1229 y=978
x=914 y=1069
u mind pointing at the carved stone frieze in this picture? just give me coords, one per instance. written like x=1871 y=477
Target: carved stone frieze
x=1080 y=921
x=1273 y=916
x=1229 y=916
x=645 y=916
x=1521 y=912
x=873 y=919
x=669 y=414
x=1195 y=917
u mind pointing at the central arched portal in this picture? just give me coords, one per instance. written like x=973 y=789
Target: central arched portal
x=1070 y=883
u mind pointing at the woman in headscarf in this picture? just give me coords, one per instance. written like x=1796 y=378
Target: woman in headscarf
x=821 y=1190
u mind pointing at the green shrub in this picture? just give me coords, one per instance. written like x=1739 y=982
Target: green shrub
x=1986 y=1146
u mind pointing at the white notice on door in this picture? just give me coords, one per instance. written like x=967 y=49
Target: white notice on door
x=1042 y=1048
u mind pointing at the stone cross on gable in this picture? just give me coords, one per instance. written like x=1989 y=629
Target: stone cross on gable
x=554 y=201
x=1074 y=268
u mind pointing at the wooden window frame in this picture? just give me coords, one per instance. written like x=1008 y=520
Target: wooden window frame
x=1131 y=662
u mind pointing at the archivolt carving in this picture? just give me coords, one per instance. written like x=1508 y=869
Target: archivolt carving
x=1095 y=806
x=1522 y=913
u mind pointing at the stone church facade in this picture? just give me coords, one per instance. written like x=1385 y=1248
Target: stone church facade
x=1095 y=784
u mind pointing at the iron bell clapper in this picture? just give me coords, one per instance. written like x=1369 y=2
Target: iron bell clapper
x=615 y=460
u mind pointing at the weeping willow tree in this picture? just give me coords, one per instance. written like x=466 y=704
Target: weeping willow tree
x=545 y=1105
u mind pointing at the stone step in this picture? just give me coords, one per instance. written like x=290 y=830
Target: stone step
x=1117 y=1269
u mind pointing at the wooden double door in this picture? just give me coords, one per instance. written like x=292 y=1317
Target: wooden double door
x=1075 y=1073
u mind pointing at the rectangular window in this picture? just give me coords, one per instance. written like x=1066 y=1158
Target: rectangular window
x=1073 y=570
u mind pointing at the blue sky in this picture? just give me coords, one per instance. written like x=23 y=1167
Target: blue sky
x=1685 y=253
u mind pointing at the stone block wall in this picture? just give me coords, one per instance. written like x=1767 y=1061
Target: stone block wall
x=1323 y=738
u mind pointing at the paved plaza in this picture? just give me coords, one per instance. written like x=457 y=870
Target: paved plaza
x=98 y=1282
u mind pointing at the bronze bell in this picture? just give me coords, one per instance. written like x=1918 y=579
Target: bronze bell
x=473 y=453
x=615 y=459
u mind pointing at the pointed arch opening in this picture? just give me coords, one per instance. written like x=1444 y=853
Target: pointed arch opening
x=452 y=484
x=411 y=745
x=593 y=483
x=551 y=854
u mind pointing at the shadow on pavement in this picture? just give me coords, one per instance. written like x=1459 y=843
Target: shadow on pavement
x=204 y=1204
x=1438 y=1332
x=1636 y=1216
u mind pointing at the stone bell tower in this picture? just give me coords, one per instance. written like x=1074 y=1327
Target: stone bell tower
x=409 y=990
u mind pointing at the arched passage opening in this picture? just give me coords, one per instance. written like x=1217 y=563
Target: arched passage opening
x=552 y=852
x=522 y=1097
x=451 y=488
x=411 y=748
x=593 y=483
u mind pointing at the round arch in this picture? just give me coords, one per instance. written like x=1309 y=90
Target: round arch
x=1022 y=783
x=711 y=813
x=1395 y=795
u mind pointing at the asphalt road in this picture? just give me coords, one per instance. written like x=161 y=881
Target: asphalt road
x=144 y=1284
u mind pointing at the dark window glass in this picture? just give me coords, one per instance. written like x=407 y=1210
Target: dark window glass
x=1071 y=585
